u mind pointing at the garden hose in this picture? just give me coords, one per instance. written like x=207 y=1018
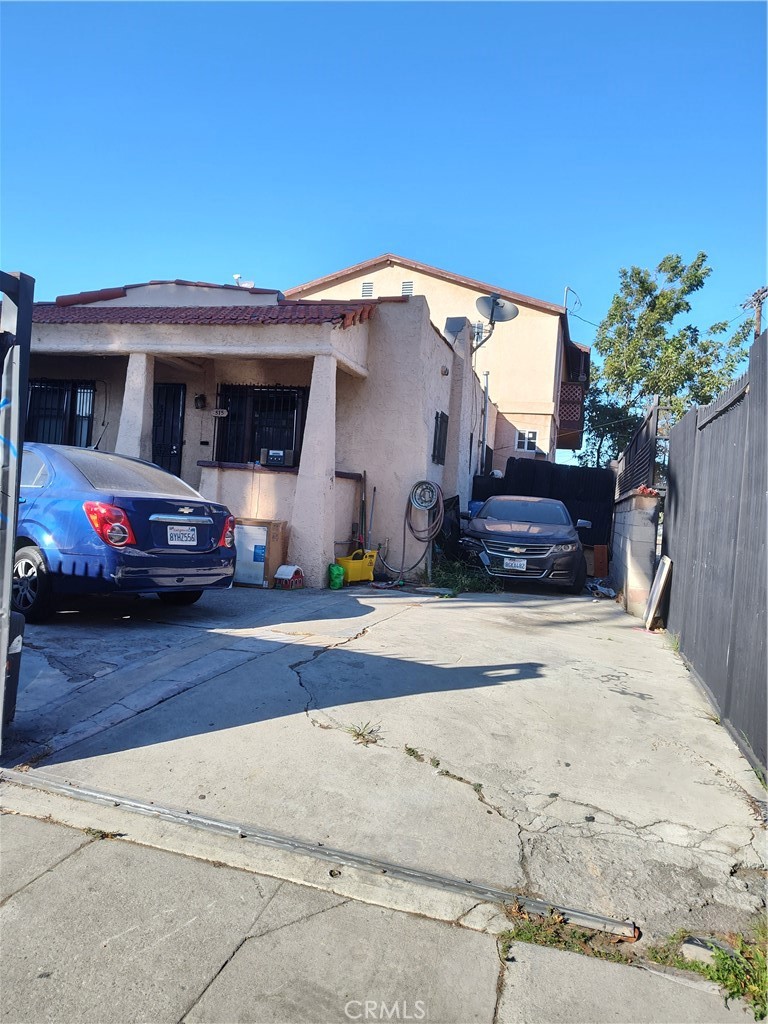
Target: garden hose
x=424 y=497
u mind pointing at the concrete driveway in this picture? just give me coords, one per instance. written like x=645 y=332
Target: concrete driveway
x=527 y=741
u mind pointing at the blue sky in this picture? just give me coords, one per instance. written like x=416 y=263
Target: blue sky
x=531 y=145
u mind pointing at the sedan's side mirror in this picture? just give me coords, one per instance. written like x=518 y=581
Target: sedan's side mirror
x=583 y=524
x=465 y=516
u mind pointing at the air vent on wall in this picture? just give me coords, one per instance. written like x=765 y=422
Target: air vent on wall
x=407 y=288
x=367 y=289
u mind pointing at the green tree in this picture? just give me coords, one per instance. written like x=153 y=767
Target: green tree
x=647 y=349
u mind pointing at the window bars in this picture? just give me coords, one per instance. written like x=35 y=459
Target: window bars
x=60 y=411
x=258 y=417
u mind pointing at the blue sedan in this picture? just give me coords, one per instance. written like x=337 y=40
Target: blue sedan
x=95 y=523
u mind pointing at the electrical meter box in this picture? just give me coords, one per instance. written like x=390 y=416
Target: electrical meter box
x=276 y=457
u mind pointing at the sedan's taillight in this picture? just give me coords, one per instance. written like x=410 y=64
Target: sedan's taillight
x=227 y=539
x=110 y=522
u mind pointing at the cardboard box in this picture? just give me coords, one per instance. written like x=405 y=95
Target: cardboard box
x=274 y=555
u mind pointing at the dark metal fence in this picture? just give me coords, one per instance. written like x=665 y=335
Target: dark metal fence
x=587 y=493
x=715 y=534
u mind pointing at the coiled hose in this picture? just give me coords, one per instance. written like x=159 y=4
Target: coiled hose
x=424 y=497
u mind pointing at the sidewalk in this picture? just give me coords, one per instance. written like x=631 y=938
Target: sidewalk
x=96 y=929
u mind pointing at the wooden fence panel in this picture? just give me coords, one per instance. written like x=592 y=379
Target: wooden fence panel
x=714 y=532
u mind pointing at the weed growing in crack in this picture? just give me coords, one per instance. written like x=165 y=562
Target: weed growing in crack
x=365 y=733
x=555 y=932
x=742 y=973
x=414 y=753
x=99 y=833
x=461 y=578
x=435 y=762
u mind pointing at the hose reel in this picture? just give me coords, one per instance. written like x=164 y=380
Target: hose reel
x=425 y=497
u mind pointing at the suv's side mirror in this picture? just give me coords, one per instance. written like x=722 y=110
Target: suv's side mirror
x=583 y=524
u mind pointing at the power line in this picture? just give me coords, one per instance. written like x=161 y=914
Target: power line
x=728 y=323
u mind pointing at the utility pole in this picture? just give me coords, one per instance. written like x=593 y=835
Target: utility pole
x=755 y=301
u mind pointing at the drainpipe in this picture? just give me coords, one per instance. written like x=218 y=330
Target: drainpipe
x=485 y=427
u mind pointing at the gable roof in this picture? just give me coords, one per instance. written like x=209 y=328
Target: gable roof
x=424 y=268
x=342 y=314
x=119 y=292
x=578 y=356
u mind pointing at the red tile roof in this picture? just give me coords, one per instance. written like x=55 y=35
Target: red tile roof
x=424 y=268
x=343 y=314
x=120 y=291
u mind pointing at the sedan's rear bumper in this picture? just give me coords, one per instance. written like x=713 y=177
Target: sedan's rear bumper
x=127 y=571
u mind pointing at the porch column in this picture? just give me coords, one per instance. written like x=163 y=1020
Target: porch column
x=134 y=434
x=314 y=506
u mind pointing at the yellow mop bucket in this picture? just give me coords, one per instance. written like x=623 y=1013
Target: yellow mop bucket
x=358 y=567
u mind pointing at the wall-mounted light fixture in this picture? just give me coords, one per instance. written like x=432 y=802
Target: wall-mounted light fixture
x=200 y=401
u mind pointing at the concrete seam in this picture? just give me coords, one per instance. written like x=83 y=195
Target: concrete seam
x=499 y=983
x=307 y=917
x=207 y=679
x=48 y=870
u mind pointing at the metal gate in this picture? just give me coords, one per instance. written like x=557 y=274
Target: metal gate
x=168 y=426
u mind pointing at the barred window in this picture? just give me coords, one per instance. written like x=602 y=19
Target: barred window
x=60 y=412
x=440 y=439
x=259 y=417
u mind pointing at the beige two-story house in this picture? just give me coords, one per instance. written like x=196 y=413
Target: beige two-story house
x=537 y=375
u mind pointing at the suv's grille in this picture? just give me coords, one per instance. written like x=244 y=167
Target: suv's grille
x=512 y=550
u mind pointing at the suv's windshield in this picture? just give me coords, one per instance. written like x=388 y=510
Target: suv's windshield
x=525 y=511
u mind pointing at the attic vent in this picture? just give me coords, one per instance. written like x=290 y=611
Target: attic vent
x=367 y=289
x=477 y=331
x=407 y=288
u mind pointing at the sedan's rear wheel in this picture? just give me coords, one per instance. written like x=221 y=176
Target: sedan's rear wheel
x=32 y=592
x=180 y=598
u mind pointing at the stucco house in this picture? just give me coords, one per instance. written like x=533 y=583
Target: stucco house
x=538 y=376
x=206 y=379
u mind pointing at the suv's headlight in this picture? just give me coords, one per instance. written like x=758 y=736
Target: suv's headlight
x=561 y=548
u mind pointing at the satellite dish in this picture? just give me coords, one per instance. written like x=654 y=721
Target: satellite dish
x=495 y=309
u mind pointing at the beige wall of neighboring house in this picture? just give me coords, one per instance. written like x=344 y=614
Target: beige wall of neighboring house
x=376 y=375
x=175 y=293
x=525 y=357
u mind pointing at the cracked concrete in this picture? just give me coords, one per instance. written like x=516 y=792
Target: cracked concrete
x=576 y=761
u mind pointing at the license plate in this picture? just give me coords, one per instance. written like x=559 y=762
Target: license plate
x=515 y=563
x=182 y=535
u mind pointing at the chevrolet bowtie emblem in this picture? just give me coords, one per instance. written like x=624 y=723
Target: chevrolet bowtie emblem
x=186 y=509
x=517 y=551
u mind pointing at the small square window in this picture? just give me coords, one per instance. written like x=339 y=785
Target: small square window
x=367 y=289
x=526 y=440
x=407 y=288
